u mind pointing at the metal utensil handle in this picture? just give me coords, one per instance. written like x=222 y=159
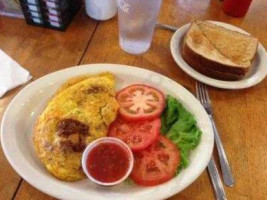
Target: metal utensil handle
x=216 y=181
x=168 y=27
x=228 y=178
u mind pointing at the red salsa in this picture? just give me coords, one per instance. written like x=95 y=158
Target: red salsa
x=107 y=162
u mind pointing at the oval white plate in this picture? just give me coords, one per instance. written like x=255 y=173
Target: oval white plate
x=21 y=114
x=255 y=76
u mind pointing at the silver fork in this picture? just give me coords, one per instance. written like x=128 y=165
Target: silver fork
x=202 y=95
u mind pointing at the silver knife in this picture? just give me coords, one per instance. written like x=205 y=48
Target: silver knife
x=216 y=181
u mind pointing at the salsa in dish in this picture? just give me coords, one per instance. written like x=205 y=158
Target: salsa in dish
x=107 y=161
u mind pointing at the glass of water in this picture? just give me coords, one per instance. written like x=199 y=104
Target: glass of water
x=137 y=19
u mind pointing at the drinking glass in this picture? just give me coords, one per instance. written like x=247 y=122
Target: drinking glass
x=137 y=19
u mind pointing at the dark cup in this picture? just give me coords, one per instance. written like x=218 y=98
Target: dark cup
x=236 y=8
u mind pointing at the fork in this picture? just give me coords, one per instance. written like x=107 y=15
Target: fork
x=202 y=95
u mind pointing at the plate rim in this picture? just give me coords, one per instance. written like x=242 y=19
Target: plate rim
x=232 y=85
x=56 y=194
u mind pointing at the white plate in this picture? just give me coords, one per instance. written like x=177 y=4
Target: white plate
x=21 y=114
x=255 y=76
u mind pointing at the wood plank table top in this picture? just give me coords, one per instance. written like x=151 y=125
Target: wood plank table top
x=240 y=115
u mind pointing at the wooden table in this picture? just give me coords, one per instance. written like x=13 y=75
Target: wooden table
x=240 y=115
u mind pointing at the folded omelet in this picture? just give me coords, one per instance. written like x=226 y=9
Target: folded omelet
x=80 y=112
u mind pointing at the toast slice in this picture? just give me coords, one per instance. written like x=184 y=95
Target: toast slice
x=218 y=52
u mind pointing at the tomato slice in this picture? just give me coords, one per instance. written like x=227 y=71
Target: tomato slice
x=156 y=164
x=140 y=102
x=138 y=135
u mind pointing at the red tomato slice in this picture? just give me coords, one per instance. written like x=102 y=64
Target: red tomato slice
x=140 y=102
x=138 y=135
x=156 y=164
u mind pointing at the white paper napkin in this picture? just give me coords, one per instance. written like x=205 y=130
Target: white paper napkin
x=11 y=74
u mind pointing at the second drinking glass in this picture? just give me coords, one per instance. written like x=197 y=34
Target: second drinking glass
x=137 y=20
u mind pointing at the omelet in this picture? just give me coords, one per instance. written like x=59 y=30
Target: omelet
x=80 y=112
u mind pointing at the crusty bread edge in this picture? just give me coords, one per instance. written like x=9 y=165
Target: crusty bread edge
x=206 y=66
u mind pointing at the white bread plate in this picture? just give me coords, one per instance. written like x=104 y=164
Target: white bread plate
x=257 y=73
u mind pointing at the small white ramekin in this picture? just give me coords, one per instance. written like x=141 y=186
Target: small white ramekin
x=107 y=140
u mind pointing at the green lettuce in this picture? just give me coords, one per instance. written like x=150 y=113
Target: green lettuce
x=180 y=126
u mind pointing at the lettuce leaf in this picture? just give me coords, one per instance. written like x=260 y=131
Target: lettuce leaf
x=180 y=126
